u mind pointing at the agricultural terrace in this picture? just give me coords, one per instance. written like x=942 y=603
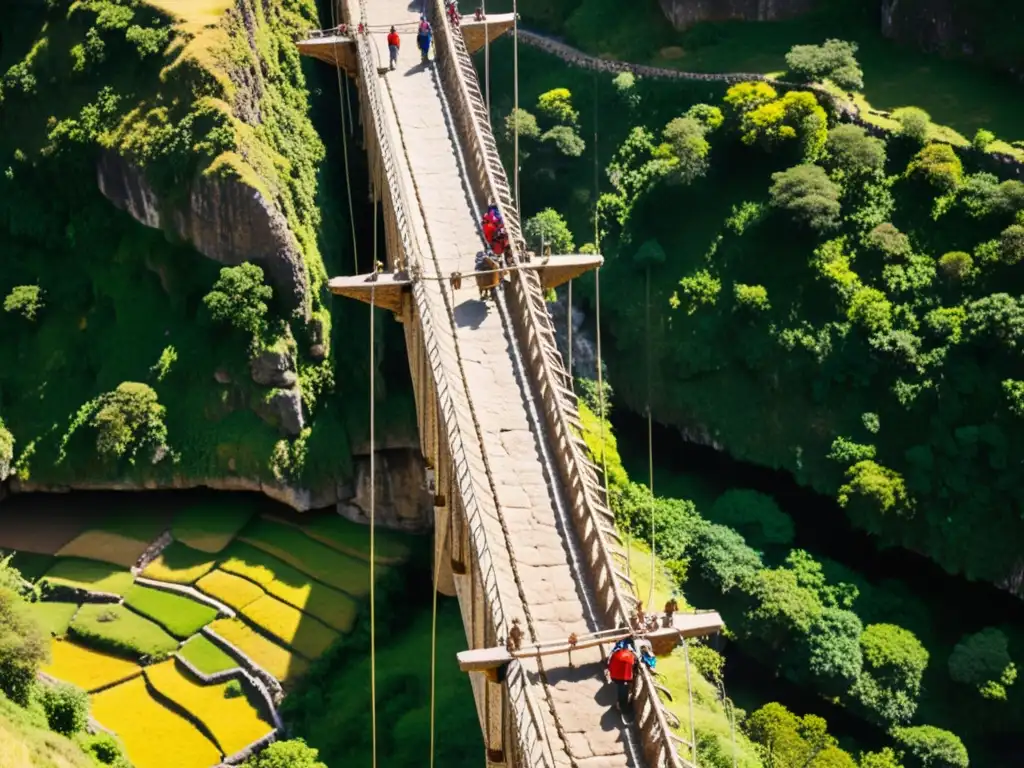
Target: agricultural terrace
x=239 y=585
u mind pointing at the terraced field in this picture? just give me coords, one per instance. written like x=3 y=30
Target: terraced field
x=294 y=586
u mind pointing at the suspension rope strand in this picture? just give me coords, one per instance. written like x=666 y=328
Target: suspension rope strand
x=373 y=496
x=438 y=554
x=650 y=439
x=342 y=97
x=515 y=97
x=568 y=324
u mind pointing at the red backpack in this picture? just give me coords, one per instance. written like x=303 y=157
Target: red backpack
x=620 y=665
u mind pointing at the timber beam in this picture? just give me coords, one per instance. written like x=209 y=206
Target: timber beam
x=559 y=269
x=337 y=50
x=383 y=289
x=663 y=641
x=487 y=29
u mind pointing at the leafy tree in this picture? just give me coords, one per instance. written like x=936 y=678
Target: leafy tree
x=755 y=515
x=548 y=228
x=883 y=489
x=526 y=123
x=938 y=166
x=983 y=660
x=810 y=573
x=871 y=309
x=809 y=195
x=66 y=707
x=129 y=419
x=1011 y=244
x=698 y=290
x=914 y=123
x=286 y=754
x=566 y=139
x=931 y=747
x=744 y=97
x=707 y=115
x=751 y=297
x=687 y=150
x=782 y=609
x=796 y=115
x=23 y=643
x=982 y=139
x=26 y=300
x=556 y=105
x=789 y=741
x=956 y=265
x=239 y=298
x=6 y=451
x=884 y=759
x=834 y=60
x=723 y=558
x=625 y=88
x=890 y=681
x=834 y=655
x=851 y=149
x=889 y=241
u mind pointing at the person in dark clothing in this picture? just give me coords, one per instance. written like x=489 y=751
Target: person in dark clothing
x=423 y=38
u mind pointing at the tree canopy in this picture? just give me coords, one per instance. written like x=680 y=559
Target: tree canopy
x=239 y=298
x=834 y=60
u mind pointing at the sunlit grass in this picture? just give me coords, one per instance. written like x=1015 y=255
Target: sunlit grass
x=87 y=668
x=280 y=662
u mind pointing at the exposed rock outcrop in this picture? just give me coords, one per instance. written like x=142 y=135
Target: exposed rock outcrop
x=274 y=368
x=224 y=219
x=282 y=409
x=686 y=13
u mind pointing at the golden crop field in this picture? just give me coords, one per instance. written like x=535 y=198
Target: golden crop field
x=179 y=564
x=106 y=547
x=234 y=723
x=301 y=632
x=286 y=666
x=230 y=589
x=154 y=736
x=86 y=668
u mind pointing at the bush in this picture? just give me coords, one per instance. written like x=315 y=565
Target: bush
x=723 y=558
x=687 y=150
x=239 y=298
x=1011 y=244
x=834 y=60
x=6 y=451
x=556 y=105
x=982 y=139
x=128 y=420
x=23 y=643
x=106 y=750
x=751 y=296
x=889 y=241
x=983 y=660
x=525 y=122
x=808 y=195
x=66 y=707
x=625 y=88
x=708 y=116
x=931 y=747
x=851 y=149
x=233 y=690
x=914 y=123
x=548 y=228
x=937 y=165
x=567 y=141
x=755 y=516
x=956 y=265
x=286 y=754
x=25 y=300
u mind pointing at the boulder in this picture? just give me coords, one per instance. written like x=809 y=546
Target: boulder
x=274 y=368
x=282 y=409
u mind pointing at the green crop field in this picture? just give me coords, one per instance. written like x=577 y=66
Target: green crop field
x=206 y=656
x=354 y=539
x=180 y=565
x=54 y=617
x=335 y=609
x=116 y=629
x=181 y=616
x=311 y=557
x=90 y=575
x=210 y=527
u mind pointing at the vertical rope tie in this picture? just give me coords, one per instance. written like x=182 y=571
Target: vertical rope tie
x=373 y=492
x=343 y=98
x=650 y=435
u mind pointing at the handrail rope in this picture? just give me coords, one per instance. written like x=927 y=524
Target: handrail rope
x=492 y=483
x=484 y=132
x=344 y=141
x=373 y=492
x=484 y=559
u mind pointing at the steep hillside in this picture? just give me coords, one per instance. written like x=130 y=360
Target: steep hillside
x=25 y=742
x=192 y=118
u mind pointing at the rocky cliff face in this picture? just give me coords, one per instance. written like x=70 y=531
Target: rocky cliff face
x=686 y=13
x=224 y=219
x=984 y=30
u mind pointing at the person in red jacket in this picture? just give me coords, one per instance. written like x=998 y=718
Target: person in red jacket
x=500 y=241
x=490 y=230
x=394 y=43
x=621 y=668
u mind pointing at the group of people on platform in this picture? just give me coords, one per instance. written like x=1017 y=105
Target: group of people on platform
x=424 y=35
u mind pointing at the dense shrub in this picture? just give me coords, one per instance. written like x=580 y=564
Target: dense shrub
x=286 y=754
x=930 y=747
x=6 y=451
x=25 y=300
x=106 y=750
x=687 y=149
x=66 y=707
x=852 y=150
x=956 y=265
x=707 y=115
x=524 y=122
x=1011 y=244
x=982 y=660
x=556 y=105
x=834 y=60
x=23 y=643
x=755 y=515
x=548 y=229
x=889 y=241
x=128 y=420
x=808 y=195
x=914 y=123
x=239 y=298
x=625 y=88
x=937 y=165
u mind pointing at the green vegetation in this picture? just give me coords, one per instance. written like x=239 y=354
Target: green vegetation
x=211 y=527
x=89 y=575
x=29 y=564
x=239 y=298
x=54 y=618
x=181 y=616
x=117 y=629
x=205 y=656
x=180 y=564
x=66 y=707
x=286 y=754
x=354 y=539
x=28 y=741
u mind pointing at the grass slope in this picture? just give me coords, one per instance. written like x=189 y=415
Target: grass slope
x=105 y=547
x=116 y=628
x=154 y=737
x=89 y=575
x=26 y=742
x=354 y=539
x=206 y=656
x=54 y=617
x=234 y=723
x=209 y=527
x=87 y=668
x=180 y=565
x=179 y=615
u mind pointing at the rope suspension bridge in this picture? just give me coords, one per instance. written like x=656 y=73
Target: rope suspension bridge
x=523 y=533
